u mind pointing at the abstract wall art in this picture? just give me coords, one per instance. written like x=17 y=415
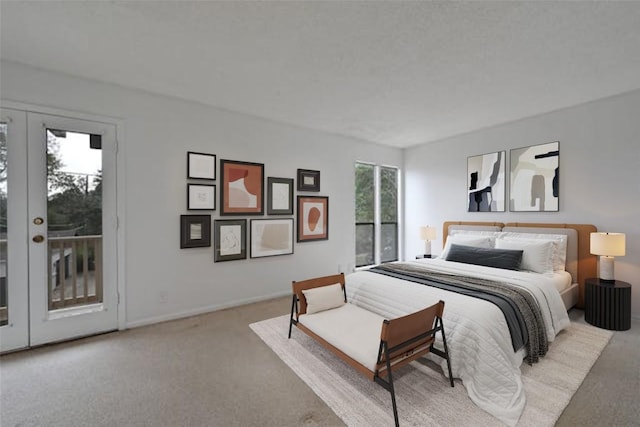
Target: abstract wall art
x=195 y=231
x=486 y=182
x=308 y=180
x=279 y=196
x=242 y=188
x=201 y=197
x=535 y=178
x=313 y=218
x=230 y=239
x=271 y=237
x=201 y=165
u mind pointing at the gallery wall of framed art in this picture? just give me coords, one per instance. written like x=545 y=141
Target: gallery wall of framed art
x=243 y=193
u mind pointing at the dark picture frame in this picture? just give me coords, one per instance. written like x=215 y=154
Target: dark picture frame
x=313 y=218
x=535 y=178
x=195 y=231
x=486 y=188
x=230 y=239
x=279 y=196
x=271 y=237
x=308 y=180
x=201 y=197
x=242 y=191
x=201 y=165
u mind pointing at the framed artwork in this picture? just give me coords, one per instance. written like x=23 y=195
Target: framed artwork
x=308 y=180
x=486 y=182
x=535 y=178
x=271 y=237
x=230 y=239
x=201 y=197
x=201 y=165
x=313 y=218
x=279 y=196
x=242 y=188
x=195 y=231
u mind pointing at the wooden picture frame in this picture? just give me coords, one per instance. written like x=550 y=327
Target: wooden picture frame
x=201 y=197
x=201 y=165
x=242 y=191
x=271 y=237
x=279 y=196
x=313 y=218
x=230 y=239
x=195 y=231
x=486 y=176
x=308 y=180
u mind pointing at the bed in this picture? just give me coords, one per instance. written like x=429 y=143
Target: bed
x=483 y=335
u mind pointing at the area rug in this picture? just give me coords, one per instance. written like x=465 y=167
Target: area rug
x=423 y=393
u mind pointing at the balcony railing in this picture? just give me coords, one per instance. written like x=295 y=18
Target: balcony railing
x=74 y=276
x=75 y=271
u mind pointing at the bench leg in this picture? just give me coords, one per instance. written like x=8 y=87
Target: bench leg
x=293 y=305
x=393 y=393
x=446 y=352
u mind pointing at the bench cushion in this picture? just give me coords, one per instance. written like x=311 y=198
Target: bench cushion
x=353 y=330
x=323 y=298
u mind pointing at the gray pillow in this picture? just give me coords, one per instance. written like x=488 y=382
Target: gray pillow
x=508 y=259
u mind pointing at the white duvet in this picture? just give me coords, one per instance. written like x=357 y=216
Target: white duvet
x=477 y=334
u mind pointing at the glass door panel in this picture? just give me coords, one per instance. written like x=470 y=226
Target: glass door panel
x=74 y=212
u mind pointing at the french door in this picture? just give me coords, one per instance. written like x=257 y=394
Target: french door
x=58 y=228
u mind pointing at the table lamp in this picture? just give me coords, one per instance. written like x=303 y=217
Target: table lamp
x=607 y=246
x=427 y=234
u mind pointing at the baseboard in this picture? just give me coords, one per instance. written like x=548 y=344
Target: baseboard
x=202 y=310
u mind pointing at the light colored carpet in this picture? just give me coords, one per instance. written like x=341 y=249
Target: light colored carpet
x=423 y=393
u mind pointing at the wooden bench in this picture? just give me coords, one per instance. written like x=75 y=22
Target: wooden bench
x=371 y=344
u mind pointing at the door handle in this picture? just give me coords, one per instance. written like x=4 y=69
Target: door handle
x=38 y=238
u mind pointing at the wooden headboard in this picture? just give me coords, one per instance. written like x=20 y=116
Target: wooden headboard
x=587 y=263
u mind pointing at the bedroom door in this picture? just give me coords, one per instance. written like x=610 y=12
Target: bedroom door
x=61 y=229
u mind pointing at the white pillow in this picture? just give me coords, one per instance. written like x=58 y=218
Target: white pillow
x=537 y=255
x=559 y=245
x=461 y=239
x=475 y=233
x=324 y=298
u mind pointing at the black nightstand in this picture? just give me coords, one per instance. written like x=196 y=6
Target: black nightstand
x=421 y=256
x=607 y=304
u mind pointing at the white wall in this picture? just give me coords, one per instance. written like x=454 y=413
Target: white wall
x=158 y=133
x=599 y=175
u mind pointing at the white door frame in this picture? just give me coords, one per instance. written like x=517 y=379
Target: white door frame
x=15 y=334
x=119 y=188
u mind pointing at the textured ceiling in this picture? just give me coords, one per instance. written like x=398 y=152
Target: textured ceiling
x=395 y=73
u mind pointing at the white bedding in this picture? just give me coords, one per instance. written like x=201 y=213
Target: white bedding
x=478 y=338
x=561 y=280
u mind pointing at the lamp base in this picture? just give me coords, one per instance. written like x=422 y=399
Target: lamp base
x=427 y=248
x=607 y=268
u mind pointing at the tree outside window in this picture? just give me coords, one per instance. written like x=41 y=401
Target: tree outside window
x=376 y=195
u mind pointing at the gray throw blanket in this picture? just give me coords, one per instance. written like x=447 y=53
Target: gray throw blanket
x=521 y=311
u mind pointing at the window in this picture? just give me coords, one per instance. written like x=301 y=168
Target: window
x=376 y=214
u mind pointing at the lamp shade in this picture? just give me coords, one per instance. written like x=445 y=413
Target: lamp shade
x=427 y=233
x=607 y=244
